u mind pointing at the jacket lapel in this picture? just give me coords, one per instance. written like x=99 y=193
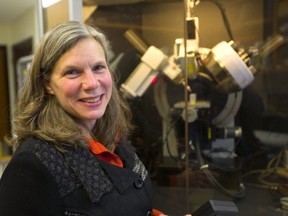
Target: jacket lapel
x=89 y=173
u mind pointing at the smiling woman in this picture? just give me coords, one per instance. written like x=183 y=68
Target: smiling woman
x=71 y=153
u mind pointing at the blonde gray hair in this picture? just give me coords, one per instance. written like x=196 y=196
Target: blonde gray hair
x=38 y=113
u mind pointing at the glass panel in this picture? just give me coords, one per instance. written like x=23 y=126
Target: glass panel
x=225 y=138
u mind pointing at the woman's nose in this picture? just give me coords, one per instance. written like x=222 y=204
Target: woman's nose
x=90 y=80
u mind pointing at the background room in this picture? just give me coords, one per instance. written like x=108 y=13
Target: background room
x=204 y=137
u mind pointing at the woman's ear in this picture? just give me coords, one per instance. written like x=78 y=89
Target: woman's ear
x=47 y=86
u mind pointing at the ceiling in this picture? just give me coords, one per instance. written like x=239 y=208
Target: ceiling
x=109 y=2
x=11 y=9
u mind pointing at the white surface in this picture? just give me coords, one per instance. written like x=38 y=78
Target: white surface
x=229 y=59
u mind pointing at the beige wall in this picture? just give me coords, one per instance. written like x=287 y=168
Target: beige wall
x=21 y=28
x=66 y=10
x=5 y=33
x=56 y=14
x=24 y=27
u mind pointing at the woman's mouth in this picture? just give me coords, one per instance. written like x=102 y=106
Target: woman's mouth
x=91 y=100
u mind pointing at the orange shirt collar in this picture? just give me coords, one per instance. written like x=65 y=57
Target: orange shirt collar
x=101 y=152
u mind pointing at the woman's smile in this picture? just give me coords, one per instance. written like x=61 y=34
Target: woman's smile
x=91 y=99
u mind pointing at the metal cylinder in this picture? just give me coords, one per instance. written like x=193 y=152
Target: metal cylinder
x=136 y=41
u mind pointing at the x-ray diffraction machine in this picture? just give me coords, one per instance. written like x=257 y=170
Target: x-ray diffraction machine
x=222 y=72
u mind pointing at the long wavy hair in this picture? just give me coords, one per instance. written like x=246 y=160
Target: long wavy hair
x=38 y=113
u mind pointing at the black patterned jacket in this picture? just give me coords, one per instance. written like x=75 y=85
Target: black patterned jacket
x=41 y=181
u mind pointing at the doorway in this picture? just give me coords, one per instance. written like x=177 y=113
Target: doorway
x=4 y=95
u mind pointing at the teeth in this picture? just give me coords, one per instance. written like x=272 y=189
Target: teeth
x=93 y=100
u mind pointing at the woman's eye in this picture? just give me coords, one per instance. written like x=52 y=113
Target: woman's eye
x=98 y=68
x=72 y=73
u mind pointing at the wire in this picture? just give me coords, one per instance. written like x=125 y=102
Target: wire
x=235 y=194
x=224 y=17
x=263 y=174
x=204 y=166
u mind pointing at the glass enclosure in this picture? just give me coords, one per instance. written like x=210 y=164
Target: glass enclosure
x=207 y=84
x=203 y=131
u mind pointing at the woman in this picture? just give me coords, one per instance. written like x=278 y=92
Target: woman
x=70 y=129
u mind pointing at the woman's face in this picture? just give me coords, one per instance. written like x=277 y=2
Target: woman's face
x=81 y=82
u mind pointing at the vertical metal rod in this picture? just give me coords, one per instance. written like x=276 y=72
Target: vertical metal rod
x=39 y=21
x=186 y=98
x=75 y=10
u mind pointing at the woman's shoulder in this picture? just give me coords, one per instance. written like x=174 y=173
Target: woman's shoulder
x=35 y=151
x=40 y=152
x=45 y=151
x=29 y=144
x=25 y=161
x=35 y=146
x=27 y=180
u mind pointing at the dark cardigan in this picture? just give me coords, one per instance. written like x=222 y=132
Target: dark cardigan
x=41 y=181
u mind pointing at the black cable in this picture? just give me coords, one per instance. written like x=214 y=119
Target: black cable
x=204 y=166
x=224 y=17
